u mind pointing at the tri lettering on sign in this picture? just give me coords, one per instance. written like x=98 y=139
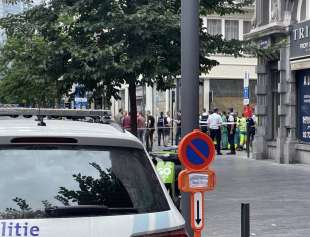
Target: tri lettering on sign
x=300 y=40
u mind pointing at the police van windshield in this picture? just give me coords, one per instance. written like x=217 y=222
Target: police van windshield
x=51 y=182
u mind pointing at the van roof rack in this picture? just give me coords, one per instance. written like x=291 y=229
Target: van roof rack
x=55 y=112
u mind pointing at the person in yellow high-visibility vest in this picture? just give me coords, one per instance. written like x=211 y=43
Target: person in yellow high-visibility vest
x=243 y=130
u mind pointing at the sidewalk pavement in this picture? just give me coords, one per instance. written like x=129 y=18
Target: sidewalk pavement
x=279 y=197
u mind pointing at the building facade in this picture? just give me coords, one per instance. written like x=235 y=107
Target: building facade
x=283 y=87
x=224 y=83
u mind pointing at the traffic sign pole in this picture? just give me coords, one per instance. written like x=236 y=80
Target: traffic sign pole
x=197 y=211
x=189 y=80
x=196 y=152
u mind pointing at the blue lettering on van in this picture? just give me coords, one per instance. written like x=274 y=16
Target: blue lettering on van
x=11 y=229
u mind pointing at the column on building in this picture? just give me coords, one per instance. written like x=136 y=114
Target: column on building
x=126 y=98
x=149 y=103
x=260 y=146
x=206 y=94
x=282 y=108
x=114 y=107
x=290 y=121
x=167 y=104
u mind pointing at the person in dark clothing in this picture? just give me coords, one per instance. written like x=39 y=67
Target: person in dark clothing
x=178 y=132
x=203 y=121
x=231 y=129
x=149 y=135
x=251 y=129
x=161 y=126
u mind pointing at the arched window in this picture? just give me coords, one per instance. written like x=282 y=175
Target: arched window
x=303 y=11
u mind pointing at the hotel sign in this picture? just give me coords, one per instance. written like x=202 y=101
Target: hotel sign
x=300 y=40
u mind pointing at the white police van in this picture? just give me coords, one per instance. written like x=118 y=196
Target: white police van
x=78 y=179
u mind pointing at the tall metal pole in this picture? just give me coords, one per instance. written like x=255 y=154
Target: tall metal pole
x=189 y=80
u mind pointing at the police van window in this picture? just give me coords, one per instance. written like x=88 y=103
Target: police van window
x=54 y=182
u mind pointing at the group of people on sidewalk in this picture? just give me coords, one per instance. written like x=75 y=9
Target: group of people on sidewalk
x=227 y=130
x=147 y=125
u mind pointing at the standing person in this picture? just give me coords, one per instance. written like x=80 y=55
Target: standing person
x=242 y=131
x=149 y=135
x=161 y=124
x=224 y=140
x=127 y=121
x=119 y=117
x=141 y=126
x=251 y=128
x=178 y=131
x=248 y=111
x=214 y=122
x=231 y=132
x=203 y=121
x=167 y=130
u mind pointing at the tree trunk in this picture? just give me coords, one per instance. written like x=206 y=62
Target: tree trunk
x=133 y=106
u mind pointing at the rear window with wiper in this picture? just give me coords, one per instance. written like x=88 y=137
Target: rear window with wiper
x=64 y=181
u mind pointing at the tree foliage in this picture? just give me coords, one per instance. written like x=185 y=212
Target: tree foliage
x=106 y=43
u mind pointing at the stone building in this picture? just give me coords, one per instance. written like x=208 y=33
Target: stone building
x=283 y=85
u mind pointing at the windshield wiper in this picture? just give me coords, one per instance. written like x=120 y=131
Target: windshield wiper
x=87 y=210
x=76 y=210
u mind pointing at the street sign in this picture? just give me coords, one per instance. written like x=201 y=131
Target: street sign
x=198 y=202
x=246 y=90
x=196 y=181
x=196 y=151
x=246 y=93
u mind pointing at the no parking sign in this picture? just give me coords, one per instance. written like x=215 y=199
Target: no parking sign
x=196 y=153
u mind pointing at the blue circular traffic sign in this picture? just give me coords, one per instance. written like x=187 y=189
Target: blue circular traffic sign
x=196 y=151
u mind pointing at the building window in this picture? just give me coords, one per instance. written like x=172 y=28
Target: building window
x=274 y=10
x=214 y=26
x=262 y=12
x=303 y=11
x=231 y=29
x=246 y=27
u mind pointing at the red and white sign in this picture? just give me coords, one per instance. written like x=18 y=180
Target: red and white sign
x=196 y=153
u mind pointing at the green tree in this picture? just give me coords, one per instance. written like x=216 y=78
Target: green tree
x=139 y=41
x=32 y=58
x=133 y=42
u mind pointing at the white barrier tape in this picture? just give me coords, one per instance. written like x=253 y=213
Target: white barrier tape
x=201 y=126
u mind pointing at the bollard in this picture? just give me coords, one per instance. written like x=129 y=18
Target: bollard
x=245 y=220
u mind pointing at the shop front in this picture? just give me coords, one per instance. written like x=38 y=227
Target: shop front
x=283 y=80
x=300 y=67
